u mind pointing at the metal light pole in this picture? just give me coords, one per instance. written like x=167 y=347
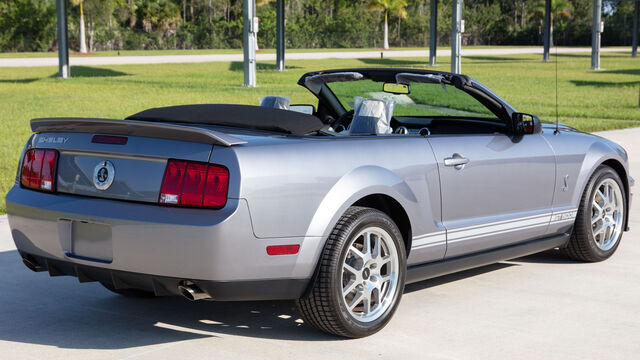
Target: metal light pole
x=634 y=36
x=63 y=40
x=547 y=30
x=596 y=34
x=249 y=43
x=433 y=33
x=280 y=35
x=456 y=36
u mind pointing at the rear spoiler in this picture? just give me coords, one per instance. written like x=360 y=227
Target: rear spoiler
x=134 y=128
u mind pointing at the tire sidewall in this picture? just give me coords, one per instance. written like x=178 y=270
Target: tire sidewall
x=368 y=218
x=585 y=211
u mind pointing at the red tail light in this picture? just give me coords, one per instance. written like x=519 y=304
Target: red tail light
x=172 y=182
x=193 y=187
x=39 y=169
x=194 y=184
x=215 y=192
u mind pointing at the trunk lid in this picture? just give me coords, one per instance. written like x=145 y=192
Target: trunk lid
x=137 y=167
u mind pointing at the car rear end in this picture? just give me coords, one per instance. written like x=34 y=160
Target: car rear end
x=146 y=211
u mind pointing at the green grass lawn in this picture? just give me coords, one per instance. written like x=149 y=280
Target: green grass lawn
x=606 y=99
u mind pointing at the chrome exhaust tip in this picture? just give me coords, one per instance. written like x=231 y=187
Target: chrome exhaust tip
x=192 y=292
x=31 y=265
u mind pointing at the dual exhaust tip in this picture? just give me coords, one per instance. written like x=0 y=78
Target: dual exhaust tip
x=192 y=292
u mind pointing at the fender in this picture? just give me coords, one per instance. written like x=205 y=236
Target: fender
x=598 y=153
x=358 y=183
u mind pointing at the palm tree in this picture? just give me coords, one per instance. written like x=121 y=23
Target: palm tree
x=387 y=6
x=559 y=9
x=83 y=41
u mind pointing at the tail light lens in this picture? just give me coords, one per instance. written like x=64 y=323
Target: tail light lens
x=194 y=184
x=39 y=169
x=215 y=192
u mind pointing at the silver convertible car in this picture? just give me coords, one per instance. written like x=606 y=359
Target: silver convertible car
x=393 y=177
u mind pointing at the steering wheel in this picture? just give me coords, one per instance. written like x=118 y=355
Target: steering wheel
x=342 y=120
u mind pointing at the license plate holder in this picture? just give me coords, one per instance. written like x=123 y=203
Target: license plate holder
x=86 y=240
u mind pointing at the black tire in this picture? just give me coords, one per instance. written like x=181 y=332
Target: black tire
x=132 y=293
x=323 y=306
x=582 y=244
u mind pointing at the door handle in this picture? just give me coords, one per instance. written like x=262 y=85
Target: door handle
x=457 y=161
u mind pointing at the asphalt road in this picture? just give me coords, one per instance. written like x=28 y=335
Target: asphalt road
x=166 y=59
x=538 y=307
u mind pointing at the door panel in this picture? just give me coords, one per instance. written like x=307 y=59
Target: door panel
x=494 y=192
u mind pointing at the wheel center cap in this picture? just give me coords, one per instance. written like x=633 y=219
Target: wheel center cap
x=366 y=273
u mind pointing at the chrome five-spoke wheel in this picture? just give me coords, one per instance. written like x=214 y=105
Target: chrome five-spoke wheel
x=607 y=211
x=369 y=274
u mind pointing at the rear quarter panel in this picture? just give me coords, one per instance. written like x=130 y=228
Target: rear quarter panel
x=301 y=186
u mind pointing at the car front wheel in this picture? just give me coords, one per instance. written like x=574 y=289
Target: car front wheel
x=600 y=220
x=360 y=277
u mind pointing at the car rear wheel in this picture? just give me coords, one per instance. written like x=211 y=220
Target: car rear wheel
x=360 y=277
x=600 y=219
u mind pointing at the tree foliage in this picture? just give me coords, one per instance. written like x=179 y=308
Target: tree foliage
x=30 y=25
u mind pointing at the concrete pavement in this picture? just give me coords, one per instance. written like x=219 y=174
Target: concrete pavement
x=537 y=307
x=166 y=59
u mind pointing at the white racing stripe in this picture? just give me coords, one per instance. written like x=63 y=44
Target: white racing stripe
x=432 y=239
x=498 y=227
x=493 y=228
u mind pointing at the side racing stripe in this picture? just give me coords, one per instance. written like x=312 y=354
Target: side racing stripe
x=494 y=228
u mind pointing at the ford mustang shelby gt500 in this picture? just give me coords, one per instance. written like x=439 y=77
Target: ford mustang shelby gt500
x=395 y=176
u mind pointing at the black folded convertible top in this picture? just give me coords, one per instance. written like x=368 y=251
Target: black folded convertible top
x=242 y=116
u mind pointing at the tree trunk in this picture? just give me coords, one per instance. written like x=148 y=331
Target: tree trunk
x=551 y=32
x=83 y=41
x=210 y=13
x=132 y=15
x=386 y=30
x=91 y=34
x=184 y=11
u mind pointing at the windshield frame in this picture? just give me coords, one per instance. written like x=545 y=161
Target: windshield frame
x=472 y=87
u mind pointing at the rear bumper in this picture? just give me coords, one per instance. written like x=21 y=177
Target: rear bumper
x=269 y=289
x=162 y=245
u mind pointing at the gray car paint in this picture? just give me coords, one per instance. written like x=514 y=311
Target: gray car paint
x=293 y=190
x=503 y=180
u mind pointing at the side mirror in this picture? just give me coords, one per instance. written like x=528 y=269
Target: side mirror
x=305 y=109
x=525 y=124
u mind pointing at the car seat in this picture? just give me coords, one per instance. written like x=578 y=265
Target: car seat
x=371 y=117
x=275 y=102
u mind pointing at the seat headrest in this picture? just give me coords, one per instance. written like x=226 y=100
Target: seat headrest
x=275 y=102
x=371 y=116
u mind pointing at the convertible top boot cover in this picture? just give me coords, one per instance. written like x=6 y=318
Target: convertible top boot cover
x=241 y=116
